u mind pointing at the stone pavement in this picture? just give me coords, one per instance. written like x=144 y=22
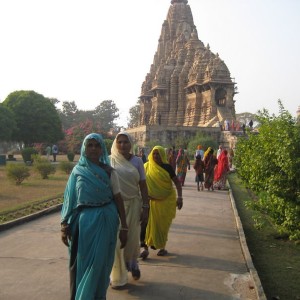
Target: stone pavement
x=208 y=257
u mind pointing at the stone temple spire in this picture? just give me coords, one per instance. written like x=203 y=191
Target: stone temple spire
x=179 y=1
x=187 y=85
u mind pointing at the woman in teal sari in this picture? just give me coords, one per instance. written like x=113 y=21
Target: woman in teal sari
x=90 y=220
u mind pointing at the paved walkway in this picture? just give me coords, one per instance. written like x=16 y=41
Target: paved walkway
x=207 y=257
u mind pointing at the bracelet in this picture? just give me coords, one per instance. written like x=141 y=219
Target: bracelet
x=123 y=229
x=145 y=206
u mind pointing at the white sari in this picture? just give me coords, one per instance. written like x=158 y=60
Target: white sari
x=129 y=179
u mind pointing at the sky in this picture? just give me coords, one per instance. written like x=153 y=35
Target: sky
x=89 y=51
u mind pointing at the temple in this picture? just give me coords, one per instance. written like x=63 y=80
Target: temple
x=187 y=86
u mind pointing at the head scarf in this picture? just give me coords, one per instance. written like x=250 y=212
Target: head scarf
x=114 y=149
x=206 y=152
x=162 y=154
x=158 y=180
x=222 y=166
x=83 y=160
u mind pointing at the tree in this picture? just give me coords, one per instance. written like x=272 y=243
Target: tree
x=36 y=118
x=7 y=123
x=106 y=113
x=269 y=163
x=134 y=115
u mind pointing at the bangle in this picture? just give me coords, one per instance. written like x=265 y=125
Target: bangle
x=123 y=229
x=145 y=206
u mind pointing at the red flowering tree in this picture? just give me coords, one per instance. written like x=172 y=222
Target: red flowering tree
x=75 y=135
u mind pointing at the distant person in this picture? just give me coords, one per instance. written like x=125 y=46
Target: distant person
x=244 y=128
x=210 y=161
x=219 y=151
x=199 y=169
x=90 y=217
x=251 y=124
x=199 y=151
x=182 y=165
x=48 y=152
x=142 y=155
x=54 y=152
x=221 y=171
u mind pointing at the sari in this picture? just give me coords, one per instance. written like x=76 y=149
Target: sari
x=92 y=216
x=182 y=163
x=162 y=196
x=209 y=163
x=220 y=174
x=129 y=179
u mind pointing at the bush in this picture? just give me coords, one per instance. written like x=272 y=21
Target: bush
x=27 y=154
x=66 y=166
x=269 y=164
x=17 y=173
x=70 y=156
x=44 y=167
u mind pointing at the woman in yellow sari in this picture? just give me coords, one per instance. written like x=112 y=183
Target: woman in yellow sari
x=160 y=177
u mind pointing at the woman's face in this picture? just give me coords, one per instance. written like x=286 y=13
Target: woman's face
x=123 y=144
x=156 y=157
x=93 y=150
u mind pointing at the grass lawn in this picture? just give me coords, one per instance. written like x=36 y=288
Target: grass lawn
x=33 y=194
x=276 y=260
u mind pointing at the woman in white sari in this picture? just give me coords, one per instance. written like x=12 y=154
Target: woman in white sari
x=130 y=169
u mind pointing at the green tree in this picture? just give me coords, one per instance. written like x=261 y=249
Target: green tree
x=269 y=164
x=106 y=113
x=134 y=115
x=7 y=123
x=36 y=118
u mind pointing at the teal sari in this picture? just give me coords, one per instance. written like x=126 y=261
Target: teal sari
x=92 y=215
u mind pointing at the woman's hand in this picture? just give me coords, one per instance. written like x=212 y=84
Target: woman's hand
x=123 y=237
x=65 y=234
x=179 y=203
x=145 y=215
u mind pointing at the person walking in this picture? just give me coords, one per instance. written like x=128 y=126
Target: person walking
x=54 y=152
x=210 y=161
x=221 y=171
x=90 y=216
x=182 y=164
x=48 y=152
x=199 y=151
x=130 y=169
x=160 y=177
x=199 y=169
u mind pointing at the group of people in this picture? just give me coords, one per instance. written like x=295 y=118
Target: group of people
x=211 y=170
x=113 y=204
x=54 y=150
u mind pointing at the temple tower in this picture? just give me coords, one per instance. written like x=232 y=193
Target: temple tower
x=187 y=84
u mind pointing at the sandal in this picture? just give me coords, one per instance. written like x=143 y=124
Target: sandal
x=162 y=252
x=144 y=254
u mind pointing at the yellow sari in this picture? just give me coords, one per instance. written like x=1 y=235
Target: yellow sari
x=162 y=201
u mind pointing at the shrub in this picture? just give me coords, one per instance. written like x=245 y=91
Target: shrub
x=71 y=156
x=66 y=166
x=44 y=167
x=17 y=173
x=27 y=154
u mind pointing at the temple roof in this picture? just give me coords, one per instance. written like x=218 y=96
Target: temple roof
x=179 y=1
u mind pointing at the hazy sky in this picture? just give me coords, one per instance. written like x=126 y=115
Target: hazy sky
x=88 y=51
